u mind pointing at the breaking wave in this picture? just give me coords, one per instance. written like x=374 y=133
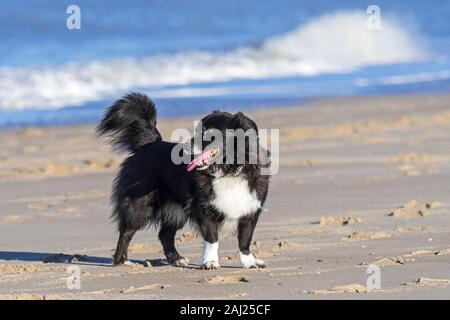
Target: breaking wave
x=333 y=43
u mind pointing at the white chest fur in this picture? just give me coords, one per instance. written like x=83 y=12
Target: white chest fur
x=233 y=197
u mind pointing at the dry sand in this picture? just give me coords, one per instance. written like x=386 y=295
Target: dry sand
x=362 y=181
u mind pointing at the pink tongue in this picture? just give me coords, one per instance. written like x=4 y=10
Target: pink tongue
x=201 y=159
x=191 y=166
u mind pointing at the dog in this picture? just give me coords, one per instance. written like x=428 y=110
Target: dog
x=150 y=189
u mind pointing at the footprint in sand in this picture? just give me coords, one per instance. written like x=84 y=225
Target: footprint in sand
x=155 y=286
x=287 y=244
x=412 y=229
x=349 y=288
x=414 y=208
x=23 y=296
x=329 y=221
x=409 y=257
x=268 y=249
x=442 y=252
x=224 y=279
x=388 y=261
x=19 y=268
x=429 y=282
x=361 y=235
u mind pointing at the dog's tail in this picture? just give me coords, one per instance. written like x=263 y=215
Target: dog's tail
x=130 y=123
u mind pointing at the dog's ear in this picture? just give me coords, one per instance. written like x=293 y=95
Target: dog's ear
x=241 y=121
x=250 y=152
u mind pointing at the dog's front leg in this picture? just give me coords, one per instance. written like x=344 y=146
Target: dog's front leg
x=210 y=232
x=246 y=227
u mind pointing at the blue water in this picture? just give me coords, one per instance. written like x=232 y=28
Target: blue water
x=194 y=56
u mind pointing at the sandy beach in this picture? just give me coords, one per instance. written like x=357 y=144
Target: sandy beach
x=362 y=181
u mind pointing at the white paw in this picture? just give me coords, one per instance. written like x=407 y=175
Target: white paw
x=249 y=261
x=210 y=257
x=210 y=265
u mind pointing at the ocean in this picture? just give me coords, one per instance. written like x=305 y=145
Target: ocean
x=194 y=56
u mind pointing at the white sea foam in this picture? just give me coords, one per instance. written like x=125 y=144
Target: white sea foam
x=404 y=79
x=333 y=43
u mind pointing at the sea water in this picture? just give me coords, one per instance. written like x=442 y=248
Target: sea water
x=195 y=56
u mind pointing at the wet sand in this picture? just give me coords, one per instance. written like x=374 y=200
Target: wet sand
x=362 y=181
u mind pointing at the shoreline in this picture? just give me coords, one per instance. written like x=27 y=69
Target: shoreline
x=95 y=109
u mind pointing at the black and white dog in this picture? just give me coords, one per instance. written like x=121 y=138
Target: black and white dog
x=152 y=190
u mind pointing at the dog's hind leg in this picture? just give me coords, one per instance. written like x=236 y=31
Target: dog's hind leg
x=131 y=216
x=120 y=257
x=167 y=237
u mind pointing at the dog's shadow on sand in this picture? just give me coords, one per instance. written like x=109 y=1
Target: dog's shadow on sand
x=76 y=259
x=62 y=258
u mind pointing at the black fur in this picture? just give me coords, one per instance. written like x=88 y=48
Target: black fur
x=150 y=190
x=130 y=122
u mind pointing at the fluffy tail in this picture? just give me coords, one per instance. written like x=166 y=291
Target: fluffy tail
x=130 y=123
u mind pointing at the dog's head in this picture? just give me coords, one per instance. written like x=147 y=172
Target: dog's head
x=226 y=143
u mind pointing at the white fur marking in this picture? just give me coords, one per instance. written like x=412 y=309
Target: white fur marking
x=233 y=197
x=210 y=252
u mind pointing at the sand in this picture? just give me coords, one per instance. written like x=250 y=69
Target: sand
x=362 y=182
